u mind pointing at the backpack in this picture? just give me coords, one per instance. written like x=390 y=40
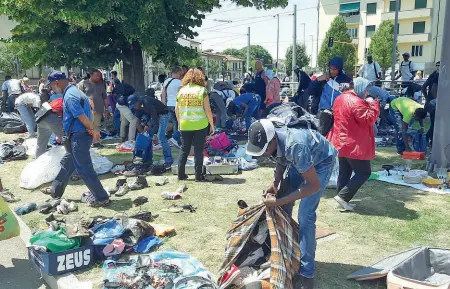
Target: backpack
x=291 y=115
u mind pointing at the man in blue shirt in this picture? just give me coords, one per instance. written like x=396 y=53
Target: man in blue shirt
x=248 y=104
x=306 y=158
x=79 y=129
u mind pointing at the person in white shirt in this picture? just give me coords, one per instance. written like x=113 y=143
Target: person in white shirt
x=11 y=88
x=406 y=69
x=25 y=104
x=371 y=70
x=169 y=97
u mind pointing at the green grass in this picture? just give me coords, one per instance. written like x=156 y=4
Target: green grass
x=388 y=218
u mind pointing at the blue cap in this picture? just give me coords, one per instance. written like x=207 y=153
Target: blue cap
x=56 y=75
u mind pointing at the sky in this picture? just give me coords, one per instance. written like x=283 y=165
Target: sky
x=263 y=27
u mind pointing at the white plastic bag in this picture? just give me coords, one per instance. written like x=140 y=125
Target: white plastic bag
x=42 y=170
x=101 y=164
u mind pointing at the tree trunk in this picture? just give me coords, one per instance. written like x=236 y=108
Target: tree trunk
x=440 y=155
x=133 y=68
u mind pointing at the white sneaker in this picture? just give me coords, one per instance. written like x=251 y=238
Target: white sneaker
x=344 y=205
x=174 y=143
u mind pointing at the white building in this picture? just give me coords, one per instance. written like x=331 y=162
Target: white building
x=421 y=24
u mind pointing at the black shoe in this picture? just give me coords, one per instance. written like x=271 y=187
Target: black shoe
x=119 y=183
x=98 y=145
x=140 y=183
x=183 y=177
x=168 y=166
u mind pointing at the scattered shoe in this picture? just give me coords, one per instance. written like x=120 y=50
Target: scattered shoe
x=87 y=197
x=139 y=201
x=47 y=191
x=213 y=178
x=119 y=183
x=344 y=206
x=49 y=206
x=98 y=145
x=181 y=189
x=52 y=218
x=139 y=184
x=171 y=196
x=97 y=204
x=65 y=207
x=132 y=173
x=229 y=276
x=9 y=197
x=174 y=208
x=26 y=208
x=115 y=248
x=123 y=190
x=162 y=181
x=167 y=166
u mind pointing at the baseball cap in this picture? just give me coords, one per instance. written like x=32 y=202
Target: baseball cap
x=260 y=134
x=296 y=67
x=438 y=63
x=56 y=75
x=406 y=54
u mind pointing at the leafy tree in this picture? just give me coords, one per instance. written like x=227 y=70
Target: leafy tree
x=302 y=58
x=7 y=66
x=100 y=33
x=257 y=52
x=342 y=46
x=238 y=53
x=382 y=44
x=214 y=69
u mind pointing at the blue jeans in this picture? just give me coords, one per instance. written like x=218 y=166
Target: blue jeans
x=163 y=123
x=27 y=115
x=11 y=102
x=173 y=117
x=80 y=161
x=307 y=214
x=252 y=111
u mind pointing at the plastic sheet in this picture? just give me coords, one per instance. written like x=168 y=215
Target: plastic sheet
x=332 y=184
x=30 y=144
x=102 y=165
x=33 y=175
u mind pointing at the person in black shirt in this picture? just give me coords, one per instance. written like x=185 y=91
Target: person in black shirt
x=429 y=90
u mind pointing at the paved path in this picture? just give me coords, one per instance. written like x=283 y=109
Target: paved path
x=16 y=271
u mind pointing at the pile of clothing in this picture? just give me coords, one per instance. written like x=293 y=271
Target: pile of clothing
x=167 y=269
x=13 y=150
x=262 y=250
x=219 y=145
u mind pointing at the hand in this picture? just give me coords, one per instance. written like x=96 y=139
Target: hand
x=211 y=130
x=146 y=128
x=271 y=190
x=107 y=114
x=155 y=140
x=323 y=77
x=95 y=135
x=270 y=201
x=369 y=99
x=421 y=130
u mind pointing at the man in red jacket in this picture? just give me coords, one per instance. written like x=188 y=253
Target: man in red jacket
x=353 y=136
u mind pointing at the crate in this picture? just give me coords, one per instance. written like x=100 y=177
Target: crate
x=414 y=156
x=63 y=262
x=214 y=168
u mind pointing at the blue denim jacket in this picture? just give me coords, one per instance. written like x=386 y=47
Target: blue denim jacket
x=302 y=148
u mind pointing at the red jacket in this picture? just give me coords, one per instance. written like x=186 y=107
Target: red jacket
x=352 y=133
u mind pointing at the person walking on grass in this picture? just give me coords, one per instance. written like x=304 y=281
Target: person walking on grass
x=353 y=136
x=78 y=127
x=95 y=89
x=195 y=118
x=305 y=161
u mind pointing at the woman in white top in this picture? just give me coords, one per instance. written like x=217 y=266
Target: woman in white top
x=25 y=104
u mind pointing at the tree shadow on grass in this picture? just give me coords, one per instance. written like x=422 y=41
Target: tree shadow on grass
x=334 y=275
x=231 y=181
x=381 y=199
x=13 y=276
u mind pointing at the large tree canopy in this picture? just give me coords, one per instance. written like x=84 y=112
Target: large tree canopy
x=382 y=44
x=99 y=33
x=256 y=52
x=302 y=59
x=342 y=46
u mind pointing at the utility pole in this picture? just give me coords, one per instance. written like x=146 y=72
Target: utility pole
x=440 y=154
x=312 y=48
x=317 y=35
x=294 y=43
x=394 y=48
x=248 y=50
x=278 y=42
x=365 y=43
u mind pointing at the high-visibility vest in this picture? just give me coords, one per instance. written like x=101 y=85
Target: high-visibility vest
x=190 y=100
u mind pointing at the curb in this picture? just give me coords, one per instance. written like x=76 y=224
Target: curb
x=66 y=281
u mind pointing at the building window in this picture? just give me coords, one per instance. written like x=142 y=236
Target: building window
x=370 y=30
x=417 y=50
x=353 y=32
x=419 y=27
x=393 y=4
x=349 y=9
x=420 y=4
x=372 y=8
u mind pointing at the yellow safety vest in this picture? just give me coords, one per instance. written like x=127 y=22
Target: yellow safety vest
x=190 y=100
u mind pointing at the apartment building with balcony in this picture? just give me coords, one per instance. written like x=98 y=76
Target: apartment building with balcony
x=420 y=26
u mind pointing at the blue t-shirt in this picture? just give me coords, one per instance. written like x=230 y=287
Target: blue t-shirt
x=72 y=108
x=246 y=98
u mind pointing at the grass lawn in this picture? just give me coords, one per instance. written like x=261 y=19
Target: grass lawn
x=388 y=218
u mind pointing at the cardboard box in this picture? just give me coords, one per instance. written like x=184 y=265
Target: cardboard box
x=63 y=262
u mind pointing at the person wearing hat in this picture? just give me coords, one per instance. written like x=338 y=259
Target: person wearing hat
x=79 y=129
x=355 y=114
x=303 y=83
x=429 y=90
x=308 y=159
x=406 y=69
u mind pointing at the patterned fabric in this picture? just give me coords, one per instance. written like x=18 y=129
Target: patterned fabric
x=285 y=251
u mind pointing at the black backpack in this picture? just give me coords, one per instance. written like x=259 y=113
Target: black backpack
x=291 y=115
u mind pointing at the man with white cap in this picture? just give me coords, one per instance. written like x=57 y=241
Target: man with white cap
x=305 y=160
